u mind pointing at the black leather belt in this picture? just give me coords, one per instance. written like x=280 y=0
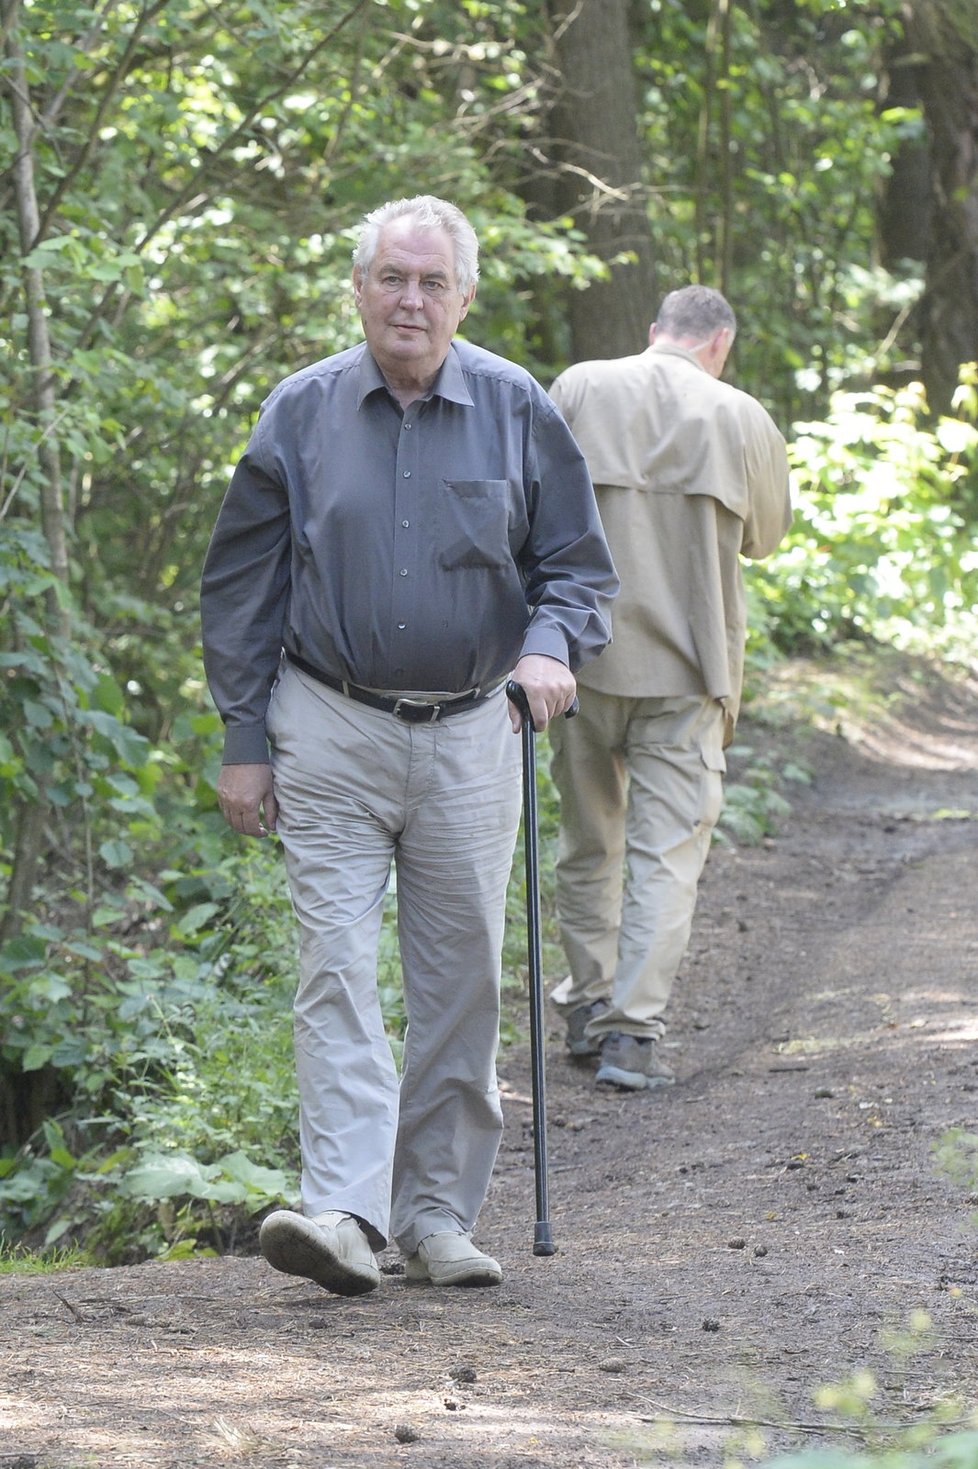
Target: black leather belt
x=412 y=711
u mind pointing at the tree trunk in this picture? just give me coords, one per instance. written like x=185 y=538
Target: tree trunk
x=904 y=212
x=39 y=340
x=949 y=311
x=942 y=37
x=599 y=181
x=29 y=818
x=714 y=158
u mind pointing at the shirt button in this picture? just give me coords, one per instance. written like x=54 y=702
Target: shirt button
x=403 y=571
x=401 y=626
x=405 y=523
x=407 y=425
x=407 y=474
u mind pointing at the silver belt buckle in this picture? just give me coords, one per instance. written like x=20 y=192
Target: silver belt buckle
x=417 y=704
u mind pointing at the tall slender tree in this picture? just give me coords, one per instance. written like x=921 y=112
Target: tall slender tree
x=600 y=178
x=930 y=206
x=28 y=814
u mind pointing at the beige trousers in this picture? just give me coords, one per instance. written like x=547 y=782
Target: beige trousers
x=359 y=790
x=640 y=782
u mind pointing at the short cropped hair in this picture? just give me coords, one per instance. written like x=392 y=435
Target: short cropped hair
x=695 y=311
x=428 y=213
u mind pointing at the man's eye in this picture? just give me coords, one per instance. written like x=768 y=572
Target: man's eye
x=435 y=288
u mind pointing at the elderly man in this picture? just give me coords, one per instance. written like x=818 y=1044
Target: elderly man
x=691 y=474
x=411 y=523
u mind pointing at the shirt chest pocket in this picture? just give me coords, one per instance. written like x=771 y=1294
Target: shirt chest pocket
x=474 y=529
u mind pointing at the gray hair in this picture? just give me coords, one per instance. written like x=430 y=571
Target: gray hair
x=428 y=213
x=695 y=311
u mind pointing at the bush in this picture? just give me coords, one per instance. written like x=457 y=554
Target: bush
x=884 y=542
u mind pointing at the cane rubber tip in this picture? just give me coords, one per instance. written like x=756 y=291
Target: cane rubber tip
x=542 y=1242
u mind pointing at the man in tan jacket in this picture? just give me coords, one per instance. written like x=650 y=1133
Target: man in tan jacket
x=691 y=474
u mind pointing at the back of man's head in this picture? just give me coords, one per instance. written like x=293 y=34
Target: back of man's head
x=695 y=313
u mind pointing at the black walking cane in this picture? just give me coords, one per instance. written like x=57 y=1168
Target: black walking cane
x=542 y=1241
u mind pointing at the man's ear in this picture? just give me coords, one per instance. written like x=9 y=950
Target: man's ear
x=466 y=303
x=720 y=345
x=357 y=285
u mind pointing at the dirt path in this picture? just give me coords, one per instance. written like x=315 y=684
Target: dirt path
x=773 y=1223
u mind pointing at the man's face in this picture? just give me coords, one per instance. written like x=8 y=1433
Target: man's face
x=409 y=303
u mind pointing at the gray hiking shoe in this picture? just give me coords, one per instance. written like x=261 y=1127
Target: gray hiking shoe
x=632 y=1062
x=579 y=1044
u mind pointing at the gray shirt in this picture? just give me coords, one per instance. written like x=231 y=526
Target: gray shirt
x=423 y=550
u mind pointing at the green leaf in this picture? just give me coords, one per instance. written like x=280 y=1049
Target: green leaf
x=107 y=696
x=48 y=988
x=56 y=1230
x=37 y=715
x=36 y=1055
x=132 y=748
x=116 y=854
x=165 y=1177
x=197 y=918
x=23 y=953
x=107 y=914
x=134 y=1005
x=268 y=1182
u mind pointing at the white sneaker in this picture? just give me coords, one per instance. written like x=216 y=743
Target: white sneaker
x=451 y=1259
x=330 y=1249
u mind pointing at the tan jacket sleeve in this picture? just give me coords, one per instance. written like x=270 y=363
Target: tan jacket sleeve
x=766 y=463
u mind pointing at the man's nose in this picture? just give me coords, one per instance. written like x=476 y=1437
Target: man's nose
x=411 y=294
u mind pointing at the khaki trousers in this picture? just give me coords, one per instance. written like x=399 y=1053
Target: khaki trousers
x=640 y=782
x=357 y=790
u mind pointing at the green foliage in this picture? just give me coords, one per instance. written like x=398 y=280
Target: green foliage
x=134 y=1024
x=882 y=544
x=754 y=805
x=764 y=179
x=199 y=174
x=850 y=1415
x=15 y=1260
x=952 y=1451
x=68 y=743
x=956 y=1156
x=198 y=178
x=936 y=1438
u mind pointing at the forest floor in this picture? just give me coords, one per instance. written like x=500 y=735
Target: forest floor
x=775 y=1223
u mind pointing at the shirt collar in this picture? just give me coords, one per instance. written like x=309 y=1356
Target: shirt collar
x=449 y=382
x=669 y=349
